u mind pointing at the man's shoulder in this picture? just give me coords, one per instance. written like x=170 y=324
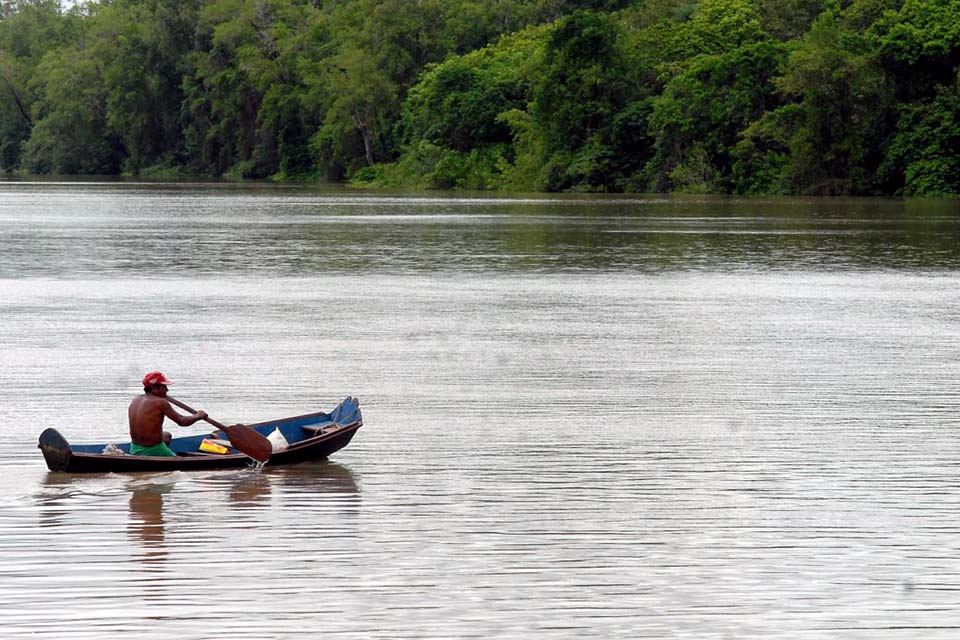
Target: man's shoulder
x=148 y=400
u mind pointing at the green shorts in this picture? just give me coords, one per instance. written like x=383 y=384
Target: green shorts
x=160 y=449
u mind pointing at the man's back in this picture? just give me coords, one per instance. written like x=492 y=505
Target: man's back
x=146 y=419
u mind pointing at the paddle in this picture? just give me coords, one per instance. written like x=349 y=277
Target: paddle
x=244 y=439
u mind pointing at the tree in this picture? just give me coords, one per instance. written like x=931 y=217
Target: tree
x=703 y=111
x=457 y=103
x=924 y=154
x=70 y=134
x=919 y=45
x=362 y=102
x=28 y=30
x=245 y=109
x=789 y=19
x=582 y=86
x=141 y=48
x=842 y=107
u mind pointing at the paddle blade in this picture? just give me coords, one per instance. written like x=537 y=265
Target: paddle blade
x=249 y=442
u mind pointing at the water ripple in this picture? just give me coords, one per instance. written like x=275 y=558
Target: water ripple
x=585 y=417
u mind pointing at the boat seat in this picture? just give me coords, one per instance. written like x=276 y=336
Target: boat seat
x=317 y=429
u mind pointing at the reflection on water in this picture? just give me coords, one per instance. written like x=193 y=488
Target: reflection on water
x=178 y=549
x=97 y=231
x=586 y=417
x=146 y=522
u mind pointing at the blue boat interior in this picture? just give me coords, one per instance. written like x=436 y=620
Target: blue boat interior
x=294 y=430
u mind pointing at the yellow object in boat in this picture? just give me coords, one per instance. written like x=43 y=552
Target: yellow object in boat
x=212 y=447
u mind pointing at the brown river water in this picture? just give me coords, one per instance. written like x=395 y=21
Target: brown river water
x=585 y=416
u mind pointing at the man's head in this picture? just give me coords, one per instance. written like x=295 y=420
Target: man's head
x=156 y=383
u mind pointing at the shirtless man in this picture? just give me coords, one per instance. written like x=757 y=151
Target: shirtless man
x=146 y=415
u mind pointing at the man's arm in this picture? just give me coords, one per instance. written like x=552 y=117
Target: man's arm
x=182 y=420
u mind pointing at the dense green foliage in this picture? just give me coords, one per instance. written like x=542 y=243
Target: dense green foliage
x=722 y=96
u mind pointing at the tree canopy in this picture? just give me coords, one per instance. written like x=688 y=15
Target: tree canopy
x=722 y=96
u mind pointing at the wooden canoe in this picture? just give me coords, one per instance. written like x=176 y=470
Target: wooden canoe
x=309 y=437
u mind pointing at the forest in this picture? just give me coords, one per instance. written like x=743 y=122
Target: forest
x=806 y=97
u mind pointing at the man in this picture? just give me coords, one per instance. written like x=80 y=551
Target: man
x=146 y=413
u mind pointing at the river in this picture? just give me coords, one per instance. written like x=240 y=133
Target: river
x=585 y=416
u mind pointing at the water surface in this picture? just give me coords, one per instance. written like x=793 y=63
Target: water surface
x=585 y=416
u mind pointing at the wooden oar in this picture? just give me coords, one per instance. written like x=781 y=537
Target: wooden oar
x=243 y=438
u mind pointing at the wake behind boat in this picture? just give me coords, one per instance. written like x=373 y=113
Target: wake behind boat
x=298 y=439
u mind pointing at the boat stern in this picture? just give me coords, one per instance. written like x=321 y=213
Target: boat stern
x=56 y=450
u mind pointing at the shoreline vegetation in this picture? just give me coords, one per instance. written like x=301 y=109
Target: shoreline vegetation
x=751 y=97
